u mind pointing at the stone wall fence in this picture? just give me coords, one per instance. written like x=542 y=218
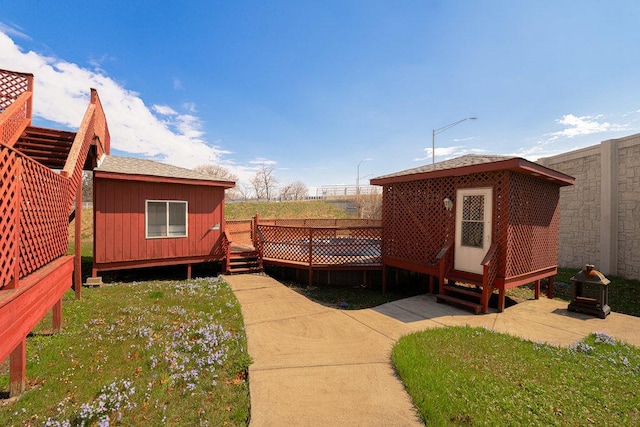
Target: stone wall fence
x=600 y=214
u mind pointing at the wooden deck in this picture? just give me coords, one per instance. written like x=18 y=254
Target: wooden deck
x=37 y=205
x=310 y=244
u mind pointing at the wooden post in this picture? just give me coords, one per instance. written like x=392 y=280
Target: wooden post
x=189 y=271
x=77 y=268
x=384 y=279
x=57 y=316
x=536 y=289
x=550 y=288
x=310 y=256
x=18 y=369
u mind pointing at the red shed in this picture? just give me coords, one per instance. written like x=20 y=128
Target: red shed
x=489 y=222
x=151 y=214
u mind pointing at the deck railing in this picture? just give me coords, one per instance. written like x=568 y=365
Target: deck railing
x=316 y=246
x=489 y=273
x=16 y=91
x=33 y=216
x=93 y=129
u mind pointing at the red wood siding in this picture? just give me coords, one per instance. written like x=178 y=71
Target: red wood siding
x=120 y=222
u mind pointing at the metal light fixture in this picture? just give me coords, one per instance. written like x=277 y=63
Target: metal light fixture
x=448 y=204
x=440 y=130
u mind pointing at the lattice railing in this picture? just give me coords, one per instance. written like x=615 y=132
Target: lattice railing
x=15 y=105
x=34 y=220
x=10 y=166
x=322 y=245
x=93 y=127
x=240 y=231
x=321 y=222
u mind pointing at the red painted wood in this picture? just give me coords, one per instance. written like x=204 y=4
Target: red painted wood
x=57 y=316
x=21 y=309
x=18 y=369
x=77 y=275
x=120 y=223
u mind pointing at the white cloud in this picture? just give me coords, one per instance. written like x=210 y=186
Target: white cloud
x=584 y=125
x=62 y=96
x=13 y=30
x=446 y=153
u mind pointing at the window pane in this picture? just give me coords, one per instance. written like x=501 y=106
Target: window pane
x=177 y=219
x=472 y=233
x=473 y=208
x=156 y=219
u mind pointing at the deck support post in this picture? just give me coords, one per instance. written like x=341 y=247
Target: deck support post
x=501 y=298
x=536 y=289
x=57 y=316
x=189 y=271
x=77 y=273
x=550 y=288
x=384 y=279
x=18 y=369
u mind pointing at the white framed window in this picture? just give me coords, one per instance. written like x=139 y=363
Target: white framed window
x=166 y=218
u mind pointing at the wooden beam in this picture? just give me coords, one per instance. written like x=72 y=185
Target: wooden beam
x=77 y=273
x=21 y=309
x=18 y=369
x=57 y=316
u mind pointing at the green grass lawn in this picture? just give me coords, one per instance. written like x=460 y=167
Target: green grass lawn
x=152 y=353
x=472 y=376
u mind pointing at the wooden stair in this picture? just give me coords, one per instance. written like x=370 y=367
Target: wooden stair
x=244 y=262
x=50 y=147
x=462 y=296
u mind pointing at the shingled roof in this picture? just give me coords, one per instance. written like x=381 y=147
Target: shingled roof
x=130 y=166
x=474 y=163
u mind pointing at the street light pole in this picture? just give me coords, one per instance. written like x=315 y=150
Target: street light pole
x=440 y=130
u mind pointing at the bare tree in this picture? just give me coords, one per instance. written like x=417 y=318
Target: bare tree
x=87 y=186
x=264 y=182
x=297 y=190
x=370 y=206
x=216 y=171
x=241 y=192
x=223 y=174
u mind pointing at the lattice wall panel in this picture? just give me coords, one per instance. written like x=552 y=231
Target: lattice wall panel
x=12 y=85
x=44 y=232
x=533 y=225
x=416 y=223
x=9 y=214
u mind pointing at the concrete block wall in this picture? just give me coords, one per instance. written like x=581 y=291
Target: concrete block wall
x=600 y=214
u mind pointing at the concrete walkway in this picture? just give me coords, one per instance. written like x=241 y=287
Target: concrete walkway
x=319 y=366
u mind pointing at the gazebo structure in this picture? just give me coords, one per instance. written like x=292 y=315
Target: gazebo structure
x=485 y=222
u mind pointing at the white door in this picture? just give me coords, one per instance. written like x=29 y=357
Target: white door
x=473 y=228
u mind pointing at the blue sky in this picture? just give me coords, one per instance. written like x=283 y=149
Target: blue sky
x=316 y=88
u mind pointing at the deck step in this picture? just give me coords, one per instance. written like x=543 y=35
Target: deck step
x=244 y=262
x=461 y=291
x=449 y=299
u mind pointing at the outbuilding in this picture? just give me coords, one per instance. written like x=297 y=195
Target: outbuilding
x=487 y=222
x=150 y=214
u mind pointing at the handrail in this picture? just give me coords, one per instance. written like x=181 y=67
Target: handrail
x=442 y=259
x=489 y=273
x=92 y=128
x=226 y=248
x=15 y=119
